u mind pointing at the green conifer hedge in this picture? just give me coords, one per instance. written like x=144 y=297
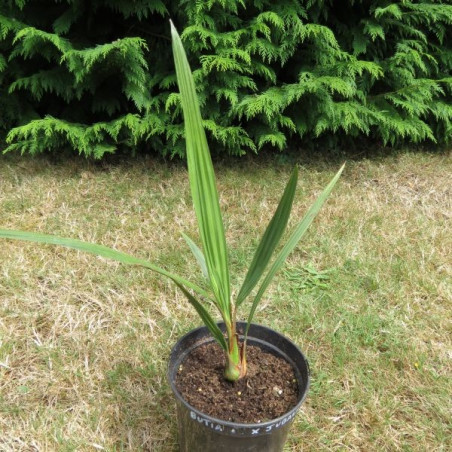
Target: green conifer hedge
x=97 y=76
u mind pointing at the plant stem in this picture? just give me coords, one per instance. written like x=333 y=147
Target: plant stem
x=235 y=357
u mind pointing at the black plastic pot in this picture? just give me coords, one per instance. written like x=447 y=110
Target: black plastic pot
x=199 y=432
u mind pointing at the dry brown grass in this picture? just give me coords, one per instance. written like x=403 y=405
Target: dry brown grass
x=84 y=342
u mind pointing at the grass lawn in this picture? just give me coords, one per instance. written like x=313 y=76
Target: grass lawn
x=367 y=295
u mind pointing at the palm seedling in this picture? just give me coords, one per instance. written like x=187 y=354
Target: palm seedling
x=212 y=257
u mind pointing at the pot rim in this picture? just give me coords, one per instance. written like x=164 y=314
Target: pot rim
x=288 y=416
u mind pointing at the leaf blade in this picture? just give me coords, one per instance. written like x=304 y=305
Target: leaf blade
x=295 y=237
x=202 y=182
x=270 y=239
x=205 y=317
x=199 y=256
x=98 y=250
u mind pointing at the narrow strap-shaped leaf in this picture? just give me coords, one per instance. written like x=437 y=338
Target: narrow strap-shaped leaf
x=198 y=255
x=206 y=317
x=292 y=242
x=202 y=181
x=270 y=239
x=98 y=250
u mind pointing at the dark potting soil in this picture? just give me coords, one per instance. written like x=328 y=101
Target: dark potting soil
x=269 y=389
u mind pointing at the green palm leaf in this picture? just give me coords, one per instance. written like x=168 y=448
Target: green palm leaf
x=198 y=254
x=206 y=317
x=202 y=182
x=292 y=242
x=270 y=239
x=98 y=250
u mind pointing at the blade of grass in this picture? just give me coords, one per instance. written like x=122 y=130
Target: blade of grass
x=270 y=239
x=202 y=182
x=292 y=243
x=98 y=250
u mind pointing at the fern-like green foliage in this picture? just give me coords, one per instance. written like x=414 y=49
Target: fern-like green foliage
x=96 y=77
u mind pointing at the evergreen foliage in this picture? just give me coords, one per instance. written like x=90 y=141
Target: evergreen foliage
x=97 y=76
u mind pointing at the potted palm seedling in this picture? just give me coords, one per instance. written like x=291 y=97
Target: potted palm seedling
x=224 y=410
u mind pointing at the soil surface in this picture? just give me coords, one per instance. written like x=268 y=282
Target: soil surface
x=268 y=391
